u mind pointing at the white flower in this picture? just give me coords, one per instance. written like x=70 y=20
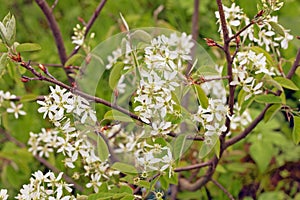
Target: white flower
x=3 y=194
x=95 y=182
x=252 y=89
x=16 y=109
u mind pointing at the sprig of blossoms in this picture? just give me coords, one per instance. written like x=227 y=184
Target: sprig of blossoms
x=267 y=36
x=14 y=109
x=46 y=186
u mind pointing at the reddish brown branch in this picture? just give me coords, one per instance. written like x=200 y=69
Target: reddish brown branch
x=191 y=167
x=56 y=34
x=223 y=189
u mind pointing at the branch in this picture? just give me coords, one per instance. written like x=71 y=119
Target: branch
x=226 y=49
x=77 y=92
x=191 y=167
x=56 y=34
x=43 y=161
x=223 y=189
x=90 y=24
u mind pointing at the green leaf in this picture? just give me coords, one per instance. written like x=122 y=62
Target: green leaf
x=102 y=149
x=3 y=48
x=201 y=96
x=217 y=148
x=277 y=28
x=181 y=145
x=272 y=110
x=286 y=83
x=207 y=147
x=269 y=98
x=11 y=30
x=141 y=36
x=122 y=189
x=262 y=153
x=28 y=97
x=125 y=168
x=115 y=74
x=116 y=115
x=73 y=59
x=207 y=71
x=28 y=47
x=3 y=63
x=296 y=130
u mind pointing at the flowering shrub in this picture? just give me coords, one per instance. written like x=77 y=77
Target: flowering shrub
x=174 y=119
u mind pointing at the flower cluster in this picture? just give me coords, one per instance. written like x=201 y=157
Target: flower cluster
x=212 y=118
x=154 y=157
x=267 y=36
x=65 y=139
x=61 y=102
x=46 y=186
x=165 y=61
x=78 y=37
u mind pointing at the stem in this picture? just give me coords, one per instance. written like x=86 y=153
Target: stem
x=223 y=189
x=56 y=34
x=196 y=166
x=226 y=49
x=90 y=24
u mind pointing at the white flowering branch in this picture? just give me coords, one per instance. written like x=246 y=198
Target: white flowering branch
x=42 y=161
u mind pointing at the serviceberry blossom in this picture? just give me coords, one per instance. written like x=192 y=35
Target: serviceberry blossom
x=16 y=109
x=78 y=37
x=266 y=37
x=61 y=102
x=46 y=186
x=3 y=194
x=6 y=96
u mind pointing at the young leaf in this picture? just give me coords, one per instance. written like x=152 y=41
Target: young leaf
x=201 y=96
x=73 y=59
x=277 y=28
x=102 y=149
x=3 y=48
x=272 y=110
x=262 y=159
x=116 y=115
x=181 y=145
x=28 y=47
x=286 y=83
x=125 y=168
x=269 y=98
x=296 y=130
x=115 y=74
x=207 y=147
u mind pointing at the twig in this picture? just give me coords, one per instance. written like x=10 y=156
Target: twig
x=90 y=24
x=222 y=188
x=295 y=65
x=57 y=36
x=240 y=31
x=191 y=167
x=43 y=161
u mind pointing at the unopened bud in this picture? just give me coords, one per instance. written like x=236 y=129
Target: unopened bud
x=42 y=67
x=24 y=79
x=210 y=42
x=238 y=40
x=259 y=14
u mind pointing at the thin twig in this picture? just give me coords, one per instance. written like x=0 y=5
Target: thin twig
x=42 y=161
x=57 y=36
x=191 y=167
x=223 y=189
x=90 y=24
x=240 y=31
